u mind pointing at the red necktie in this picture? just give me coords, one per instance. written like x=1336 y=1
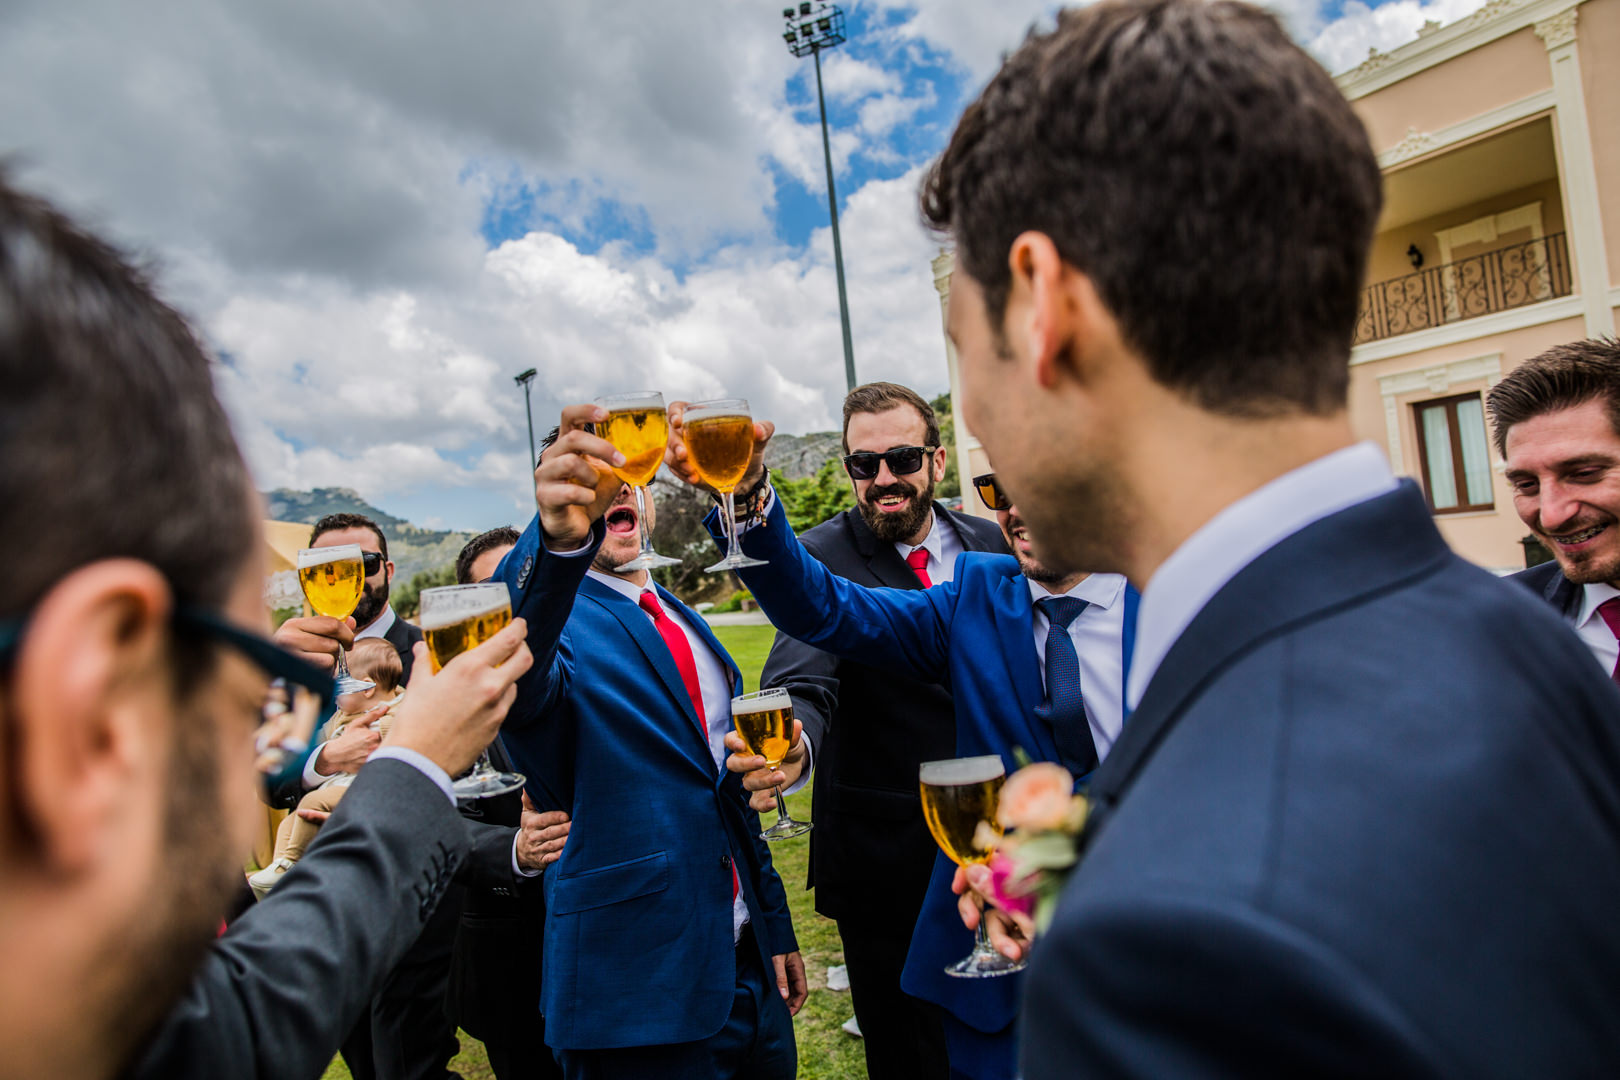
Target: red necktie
x=681 y=651
x=1610 y=611
x=918 y=561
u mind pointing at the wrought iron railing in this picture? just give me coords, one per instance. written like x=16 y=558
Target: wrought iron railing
x=1498 y=280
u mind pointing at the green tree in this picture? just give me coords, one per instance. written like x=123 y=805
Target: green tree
x=951 y=486
x=407 y=597
x=814 y=499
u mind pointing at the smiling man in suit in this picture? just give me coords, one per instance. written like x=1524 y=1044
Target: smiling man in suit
x=1554 y=419
x=669 y=950
x=1365 y=816
x=1035 y=661
x=868 y=818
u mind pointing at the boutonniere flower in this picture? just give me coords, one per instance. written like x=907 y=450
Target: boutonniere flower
x=1041 y=819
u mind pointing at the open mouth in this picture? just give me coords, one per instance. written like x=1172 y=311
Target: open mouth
x=621 y=521
x=1576 y=539
x=1020 y=536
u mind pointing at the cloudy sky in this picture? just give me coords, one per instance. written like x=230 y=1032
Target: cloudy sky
x=378 y=212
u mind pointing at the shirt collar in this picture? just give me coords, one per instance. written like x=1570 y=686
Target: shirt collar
x=1591 y=596
x=380 y=625
x=1098 y=590
x=621 y=585
x=1238 y=535
x=932 y=541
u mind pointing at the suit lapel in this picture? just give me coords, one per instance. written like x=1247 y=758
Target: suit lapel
x=881 y=559
x=1372 y=547
x=640 y=629
x=697 y=622
x=1564 y=595
x=1015 y=629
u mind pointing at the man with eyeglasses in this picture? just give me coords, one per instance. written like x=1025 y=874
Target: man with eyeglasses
x=133 y=679
x=1036 y=662
x=867 y=727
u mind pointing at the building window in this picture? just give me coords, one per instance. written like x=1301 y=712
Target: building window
x=1456 y=466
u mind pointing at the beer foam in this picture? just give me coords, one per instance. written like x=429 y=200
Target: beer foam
x=761 y=701
x=706 y=410
x=320 y=556
x=450 y=604
x=971 y=770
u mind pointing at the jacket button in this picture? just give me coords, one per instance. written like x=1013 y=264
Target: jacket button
x=725 y=862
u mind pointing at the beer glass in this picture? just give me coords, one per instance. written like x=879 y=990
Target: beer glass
x=719 y=443
x=638 y=428
x=958 y=796
x=456 y=618
x=333 y=579
x=764 y=719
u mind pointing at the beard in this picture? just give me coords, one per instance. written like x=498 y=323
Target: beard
x=149 y=968
x=1599 y=565
x=901 y=525
x=371 y=604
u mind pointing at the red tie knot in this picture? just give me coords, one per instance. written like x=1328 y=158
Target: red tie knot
x=918 y=561
x=650 y=604
x=1609 y=611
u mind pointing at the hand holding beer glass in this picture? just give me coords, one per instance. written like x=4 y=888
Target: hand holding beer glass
x=764 y=719
x=719 y=438
x=638 y=428
x=333 y=579
x=959 y=799
x=456 y=618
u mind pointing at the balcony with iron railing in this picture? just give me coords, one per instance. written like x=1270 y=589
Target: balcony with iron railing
x=1509 y=277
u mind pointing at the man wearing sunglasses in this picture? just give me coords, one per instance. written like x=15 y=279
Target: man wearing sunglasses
x=868 y=727
x=1035 y=660
x=133 y=678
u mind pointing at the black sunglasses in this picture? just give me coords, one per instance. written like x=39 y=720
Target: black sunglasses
x=902 y=460
x=279 y=664
x=373 y=561
x=990 y=492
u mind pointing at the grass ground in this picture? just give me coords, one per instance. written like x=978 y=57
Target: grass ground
x=825 y=1052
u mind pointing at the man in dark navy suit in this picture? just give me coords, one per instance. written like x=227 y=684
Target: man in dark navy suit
x=1364 y=818
x=1554 y=418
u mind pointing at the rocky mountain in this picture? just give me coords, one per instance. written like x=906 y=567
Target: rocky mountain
x=411 y=547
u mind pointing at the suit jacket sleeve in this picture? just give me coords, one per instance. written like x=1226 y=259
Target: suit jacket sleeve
x=1145 y=987
x=907 y=630
x=489 y=857
x=282 y=988
x=543 y=586
x=810 y=676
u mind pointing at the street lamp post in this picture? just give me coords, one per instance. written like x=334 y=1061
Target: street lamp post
x=523 y=380
x=808 y=29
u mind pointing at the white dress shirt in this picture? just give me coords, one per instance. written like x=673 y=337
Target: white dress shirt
x=713 y=683
x=379 y=626
x=1593 y=630
x=1097 y=635
x=1240 y=534
x=943 y=547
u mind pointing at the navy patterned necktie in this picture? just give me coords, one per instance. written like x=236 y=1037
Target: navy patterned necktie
x=1065 y=707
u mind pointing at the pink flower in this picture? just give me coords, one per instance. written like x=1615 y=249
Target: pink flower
x=1008 y=891
x=1036 y=797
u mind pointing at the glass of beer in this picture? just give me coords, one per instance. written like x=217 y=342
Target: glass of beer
x=456 y=618
x=638 y=428
x=764 y=719
x=333 y=579
x=959 y=799
x=719 y=442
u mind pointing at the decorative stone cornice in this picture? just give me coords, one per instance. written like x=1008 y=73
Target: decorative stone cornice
x=1375 y=61
x=1558 y=30
x=1415 y=144
x=1435 y=45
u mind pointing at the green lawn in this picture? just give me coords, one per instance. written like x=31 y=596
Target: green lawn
x=825 y=1052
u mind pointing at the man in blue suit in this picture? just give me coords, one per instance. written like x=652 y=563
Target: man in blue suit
x=1035 y=662
x=1364 y=819
x=669 y=948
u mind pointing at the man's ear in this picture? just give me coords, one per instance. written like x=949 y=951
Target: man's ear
x=940 y=463
x=1041 y=299
x=390 y=578
x=89 y=709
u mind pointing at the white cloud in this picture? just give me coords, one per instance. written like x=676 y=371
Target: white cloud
x=1343 y=43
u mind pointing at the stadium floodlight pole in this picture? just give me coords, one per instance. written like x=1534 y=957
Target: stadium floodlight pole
x=808 y=29
x=523 y=380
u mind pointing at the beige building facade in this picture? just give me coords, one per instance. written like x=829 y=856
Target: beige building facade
x=1499 y=138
